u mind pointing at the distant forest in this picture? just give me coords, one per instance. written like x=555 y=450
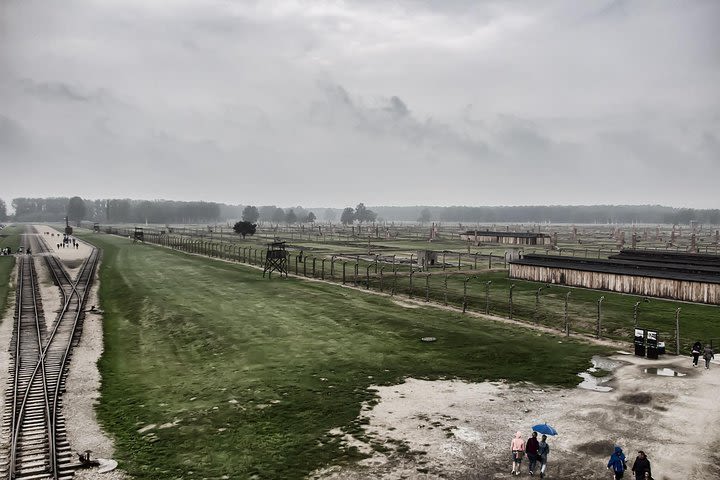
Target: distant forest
x=652 y=214
x=166 y=211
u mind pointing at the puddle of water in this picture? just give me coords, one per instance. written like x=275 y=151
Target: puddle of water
x=467 y=435
x=593 y=383
x=605 y=363
x=664 y=372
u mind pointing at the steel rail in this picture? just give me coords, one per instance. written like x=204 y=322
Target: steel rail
x=28 y=269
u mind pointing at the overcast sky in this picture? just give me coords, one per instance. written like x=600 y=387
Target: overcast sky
x=315 y=103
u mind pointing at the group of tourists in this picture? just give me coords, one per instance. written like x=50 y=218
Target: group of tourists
x=707 y=354
x=640 y=467
x=536 y=451
x=20 y=249
x=68 y=242
x=537 y=454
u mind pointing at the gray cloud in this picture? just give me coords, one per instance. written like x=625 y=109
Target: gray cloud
x=56 y=91
x=497 y=102
x=12 y=136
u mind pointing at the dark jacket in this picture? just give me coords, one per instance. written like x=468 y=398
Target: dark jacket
x=531 y=446
x=640 y=466
x=709 y=354
x=617 y=460
x=697 y=347
x=543 y=451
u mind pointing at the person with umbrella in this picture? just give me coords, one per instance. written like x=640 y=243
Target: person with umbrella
x=543 y=447
x=543 y=451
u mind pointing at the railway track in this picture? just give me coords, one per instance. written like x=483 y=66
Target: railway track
x=35 y=445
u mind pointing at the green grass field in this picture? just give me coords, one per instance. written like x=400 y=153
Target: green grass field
x=249 y=375
x=10 y=237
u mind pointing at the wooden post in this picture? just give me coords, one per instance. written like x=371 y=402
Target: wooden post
x=381 y=278
x=565 y=315
x=394 y=285
x=464 y=305
x=367 y=276
x=322 y=268
x=343 y=264
x=599 y=315
x=465 y=292
x=487 y=297
x=510 y=302
x=355 y=276
x=635 y=313
x=445 y=288
x=677 y=331
x=537 y=304
x=427 y=287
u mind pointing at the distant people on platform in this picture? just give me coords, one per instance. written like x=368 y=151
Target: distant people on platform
x=67 y=242
x=708 y=355
x=697 y=348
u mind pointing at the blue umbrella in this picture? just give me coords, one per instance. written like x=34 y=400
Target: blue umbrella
x=544 y=428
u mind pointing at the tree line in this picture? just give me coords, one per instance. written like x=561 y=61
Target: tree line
x=54 y=209
x=652 y=214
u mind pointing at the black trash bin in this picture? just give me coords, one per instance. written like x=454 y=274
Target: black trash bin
x=652 y=344
x=639 y=342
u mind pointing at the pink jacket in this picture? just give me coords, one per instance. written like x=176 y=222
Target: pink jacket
x=517 y=443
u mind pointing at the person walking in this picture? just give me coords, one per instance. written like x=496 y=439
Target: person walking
x=696 y=349
x=517 y=446
x=708 y=355
x=616 y=464
x=531 y=449
x=543 y=451
x=641 y=466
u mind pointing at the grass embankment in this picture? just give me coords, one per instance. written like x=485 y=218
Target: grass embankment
x=9 y=237
x=249 y=374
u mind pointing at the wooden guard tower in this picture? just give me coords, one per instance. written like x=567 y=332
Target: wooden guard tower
x=138 y=235
x=275 y=259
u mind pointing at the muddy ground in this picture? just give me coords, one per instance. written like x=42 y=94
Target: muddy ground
x=457 y=430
